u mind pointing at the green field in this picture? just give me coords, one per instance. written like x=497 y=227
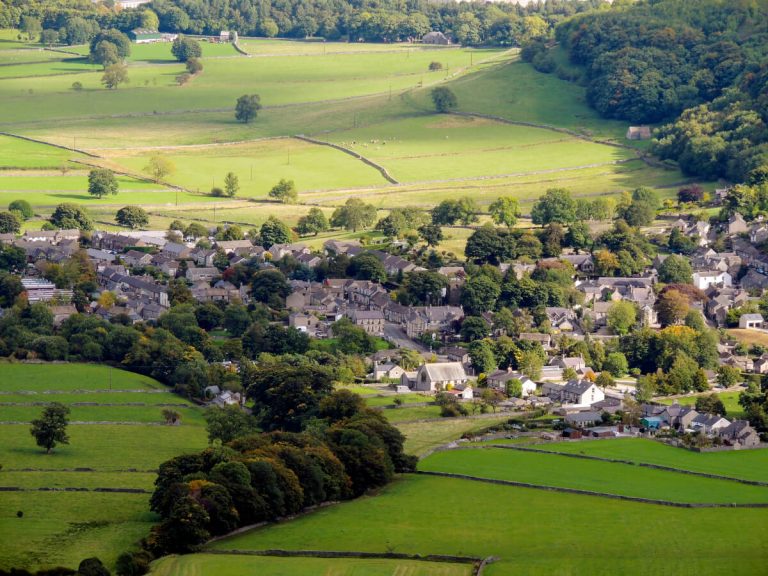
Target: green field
x=730 y=401
x=63 y=527
x=591 y=475
x=746 y=464
x=421 y=437
x=265 y=566
x=531 y=531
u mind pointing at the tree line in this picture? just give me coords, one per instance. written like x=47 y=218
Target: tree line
x=75 y=22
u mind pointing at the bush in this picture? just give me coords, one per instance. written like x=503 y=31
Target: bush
x=77 y=86
x=22 y=207
x=434 y=66
x=216 y=191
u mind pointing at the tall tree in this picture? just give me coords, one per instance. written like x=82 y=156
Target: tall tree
x=284 y=191
x=159 y=166
x=247 y=108
x=231 y=184
x=51 y=428
x=102 y=182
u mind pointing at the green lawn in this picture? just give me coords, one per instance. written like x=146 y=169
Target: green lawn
x=746 y=464
x=531 y=531
x=560 y=471
x=269 y=566
x=389 y=400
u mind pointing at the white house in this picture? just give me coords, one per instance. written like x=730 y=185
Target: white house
x=705 y=279
x=575 y=392
x=500 y=378
x=751 y=321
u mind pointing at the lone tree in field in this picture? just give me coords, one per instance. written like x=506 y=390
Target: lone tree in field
x=284 y=191
x=51 y=428
x=171 y=417
x=159 y=167
x=132 y=217
x=114 y=75
x=231 y=184
x=102 y=182
x=444 y=99
x=247 y=108
x=184 y=48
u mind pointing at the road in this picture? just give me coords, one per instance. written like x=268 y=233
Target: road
x=396 y=335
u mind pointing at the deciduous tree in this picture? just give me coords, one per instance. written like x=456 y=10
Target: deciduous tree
x=51 y=428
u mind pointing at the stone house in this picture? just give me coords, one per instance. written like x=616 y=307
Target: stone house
x=437 y=377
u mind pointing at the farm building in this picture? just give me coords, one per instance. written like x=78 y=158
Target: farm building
x=435 y=37
x=638 y=133
x=142 y=36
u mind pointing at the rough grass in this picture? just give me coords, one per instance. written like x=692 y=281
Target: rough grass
x=749 y=337
x=411 y=413
x=531 y=531
x=621 y=479
x=198 y=564
x=746 y=464
x=18 y=153
x=421 y=437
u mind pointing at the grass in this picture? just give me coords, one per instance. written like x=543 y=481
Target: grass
x=746 y=464
x=531 y=531
x=258 y=165
x=621 y=479
x=68 y=377
x=63 y=527
x=389 y=400
x=411 y=413
x=421 y=437
x=266 y=566
x=18 y=153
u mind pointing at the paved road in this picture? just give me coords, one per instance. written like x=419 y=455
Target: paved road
x=397 y=336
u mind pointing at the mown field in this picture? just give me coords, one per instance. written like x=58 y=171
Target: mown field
x=531 y=531
x=116 y=416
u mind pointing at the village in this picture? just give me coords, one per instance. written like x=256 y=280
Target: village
x=134 y=270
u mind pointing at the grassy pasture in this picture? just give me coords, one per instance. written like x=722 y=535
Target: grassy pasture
x=746 y=464
x=35 y=69
x=160 y=52
x=406 y=398
x=531 y=531
x=63 y=527
x=266 y=566
x=622 y=479
x=279 y=81
x=258 y=165
x=278 y=47
x=441 y=147
x=749 y=337
x=18 y=153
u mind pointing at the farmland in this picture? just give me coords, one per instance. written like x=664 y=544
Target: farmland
x=115 y=416
x=452 y=516
x=371 y=99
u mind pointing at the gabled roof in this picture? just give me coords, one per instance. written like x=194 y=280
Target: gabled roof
x=445 y=371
